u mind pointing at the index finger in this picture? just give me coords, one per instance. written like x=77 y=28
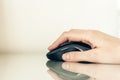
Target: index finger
x=60 y=40
x=73 y=35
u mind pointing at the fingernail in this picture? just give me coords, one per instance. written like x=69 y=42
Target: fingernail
x=65 y=66
x=66 y=56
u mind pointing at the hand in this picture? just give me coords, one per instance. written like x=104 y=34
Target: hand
x=105 y=48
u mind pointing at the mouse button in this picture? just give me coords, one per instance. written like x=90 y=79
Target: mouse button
x=83 y=48
x=78 y=48
x=65 y=43
x=69 y=49
x=64 y=48
x=85 y=45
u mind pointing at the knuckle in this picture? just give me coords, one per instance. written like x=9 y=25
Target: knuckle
x=65 y=33
x=76 y=56
x=91 y=32
x=73 y=56
x=71 y=30
x=93 y=57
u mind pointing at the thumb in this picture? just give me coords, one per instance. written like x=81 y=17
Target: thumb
x=76 y=56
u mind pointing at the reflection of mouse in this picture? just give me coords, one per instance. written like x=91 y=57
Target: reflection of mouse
x=56 y=54
x=56 y=67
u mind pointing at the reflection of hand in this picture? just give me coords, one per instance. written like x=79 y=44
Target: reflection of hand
x=96 y=71
x=106 y=49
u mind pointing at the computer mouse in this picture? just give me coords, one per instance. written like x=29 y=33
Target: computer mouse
x=56 y=54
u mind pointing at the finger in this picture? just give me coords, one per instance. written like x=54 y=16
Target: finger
x=60 y=40
x=77 y=56
x=74 y=35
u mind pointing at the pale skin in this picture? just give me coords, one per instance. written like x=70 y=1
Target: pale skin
x=105 y=48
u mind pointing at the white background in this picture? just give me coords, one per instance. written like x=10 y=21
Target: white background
x=118 y=5
x=35 y=24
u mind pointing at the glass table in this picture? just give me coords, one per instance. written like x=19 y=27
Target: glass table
x=35 y=66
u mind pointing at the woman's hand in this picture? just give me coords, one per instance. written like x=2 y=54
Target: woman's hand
x=105 y=48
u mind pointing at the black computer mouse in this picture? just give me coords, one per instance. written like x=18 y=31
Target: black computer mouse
x=56 y=54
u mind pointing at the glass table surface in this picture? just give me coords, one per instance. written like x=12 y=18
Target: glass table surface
x=35 y=66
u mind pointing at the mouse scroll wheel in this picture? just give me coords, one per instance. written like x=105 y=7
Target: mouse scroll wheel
x=78 y=48
x=74 y=48
x=63 y=44
x=64 y=48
